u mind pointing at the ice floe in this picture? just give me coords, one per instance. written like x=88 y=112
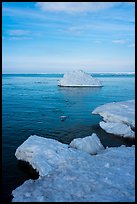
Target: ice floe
x=120 y=129
x=90 y=144
x=69 y=174
x=63 y=117
x=79 y=78
x=119 y=117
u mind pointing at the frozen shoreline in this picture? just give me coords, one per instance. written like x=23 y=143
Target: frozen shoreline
x=69 y=174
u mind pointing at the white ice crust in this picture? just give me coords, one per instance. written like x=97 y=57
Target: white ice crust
x=47 y=154
x=78 y=78
x=71 y=175
x=119 y=117
x=43 y=154
x=90 y=144
x=117 y=128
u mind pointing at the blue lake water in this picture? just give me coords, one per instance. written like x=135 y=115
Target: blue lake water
x=33 y=104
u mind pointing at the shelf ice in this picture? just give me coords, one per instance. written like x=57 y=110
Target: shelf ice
x=67 y=174
x=119 y=118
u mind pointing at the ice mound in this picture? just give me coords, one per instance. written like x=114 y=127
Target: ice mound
x=90 y=144
x=119 y=118
x=76 y=176
x=79 y=78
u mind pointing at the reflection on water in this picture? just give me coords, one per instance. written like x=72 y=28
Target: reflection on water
x=79 y=91
x=78 y=103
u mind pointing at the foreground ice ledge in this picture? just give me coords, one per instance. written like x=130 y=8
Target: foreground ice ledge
x=47 y=154
x=79 y=78
x=68 y=174
x=119 y=118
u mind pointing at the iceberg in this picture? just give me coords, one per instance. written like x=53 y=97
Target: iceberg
x=79 y=78
x=90 y=144
x=119 y=118
x=67 y=174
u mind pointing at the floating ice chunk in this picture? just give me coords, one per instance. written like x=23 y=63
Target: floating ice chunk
x=90 y=144
x=78 y=78
x=63 y=117
x=118 y=112
x=120 y=129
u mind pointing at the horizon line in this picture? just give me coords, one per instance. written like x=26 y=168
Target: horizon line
x=132 y=72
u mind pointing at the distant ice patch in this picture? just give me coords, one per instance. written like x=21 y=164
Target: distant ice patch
x=119 y=117
x=79 y=78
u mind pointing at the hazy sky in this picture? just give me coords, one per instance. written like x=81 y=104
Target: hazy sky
x=50 y=37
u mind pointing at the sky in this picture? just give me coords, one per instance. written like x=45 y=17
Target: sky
x=55 y=37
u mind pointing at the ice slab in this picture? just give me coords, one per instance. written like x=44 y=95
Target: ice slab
x=118 y=112
x=78 y=78
x=45 y=154
x=120 y=129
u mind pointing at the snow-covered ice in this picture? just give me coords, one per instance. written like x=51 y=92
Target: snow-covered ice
x=90 y=144
x=119 y=117
x=43 y=154
x=120 y=129
x=46 y=154
x=78 y=78
x=69 y=174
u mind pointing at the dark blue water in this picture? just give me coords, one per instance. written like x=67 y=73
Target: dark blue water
x=33 y=104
